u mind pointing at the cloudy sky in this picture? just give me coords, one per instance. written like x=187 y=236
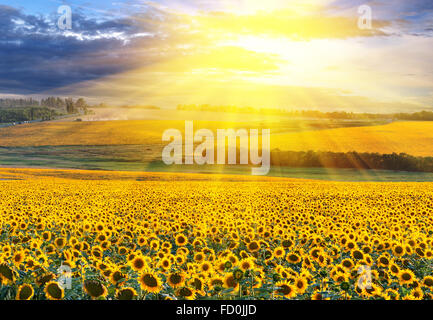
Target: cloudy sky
x=301 y=54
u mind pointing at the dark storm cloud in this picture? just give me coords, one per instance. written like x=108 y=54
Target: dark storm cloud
x=36 y=56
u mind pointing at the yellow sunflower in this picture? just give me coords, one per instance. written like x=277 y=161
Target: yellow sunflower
x=53 y=291
x=126 y=293
x=406 y=277
x=176 y=279
x=150 y=282
x=95 y=289
x=25 y=292
x=285 y=289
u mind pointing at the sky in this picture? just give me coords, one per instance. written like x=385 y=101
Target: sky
x=297 y=54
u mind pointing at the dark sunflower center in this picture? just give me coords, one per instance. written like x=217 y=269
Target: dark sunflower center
x=406 y=276
x=347 y=264
x=138 y=263
x=54 y=291
x=181 y=240
x=428 y=282
x=231 y=282
x=358 y=255
x=293 y=257
x=197 y=284
x=94 y=288
x=6 y=272
x=185 y=292
x=125 y=294
x=150 y=281
x=284 y=289
x=25 y=292
x=175 y=278
x=254 y=246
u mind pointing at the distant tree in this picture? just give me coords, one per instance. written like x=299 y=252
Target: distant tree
x=319 y=159
x=70 y=106
x=60 y=103
x=26 y=114
x=81 y=105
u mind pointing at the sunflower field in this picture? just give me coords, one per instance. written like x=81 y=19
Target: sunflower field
x=157 y=236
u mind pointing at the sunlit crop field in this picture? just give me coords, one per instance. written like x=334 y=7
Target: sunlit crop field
x=180 y=236
x=414 y=138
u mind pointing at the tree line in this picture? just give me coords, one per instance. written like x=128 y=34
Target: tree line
x=68 y=105
x=27 y=114
x=351 y=160
x=338 y=115
x=19 y=110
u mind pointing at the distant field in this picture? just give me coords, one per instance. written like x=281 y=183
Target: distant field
x=144 y=132
x=136 y=145
x=414 y=138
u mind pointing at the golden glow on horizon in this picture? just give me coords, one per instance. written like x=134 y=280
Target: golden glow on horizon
x=273 y=54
